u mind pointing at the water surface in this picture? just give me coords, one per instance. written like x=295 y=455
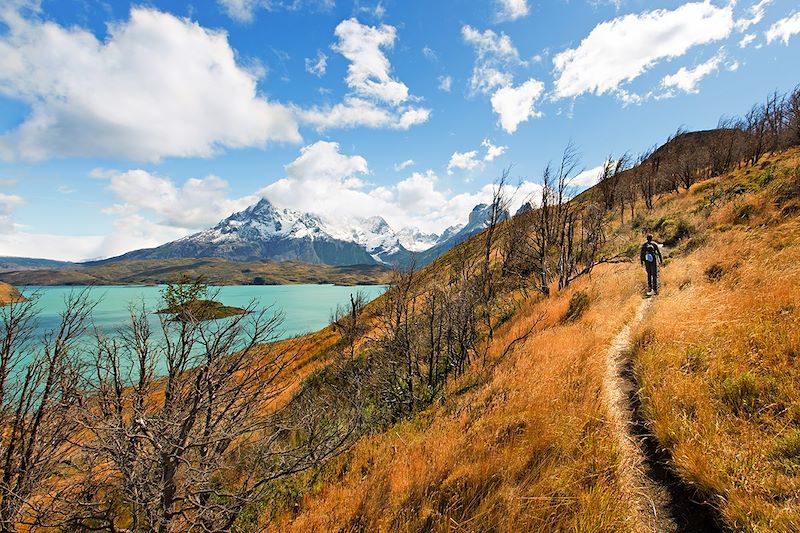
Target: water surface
x=306 y=308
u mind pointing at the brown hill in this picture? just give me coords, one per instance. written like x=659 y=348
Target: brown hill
x=214 y=271
x=9 y=294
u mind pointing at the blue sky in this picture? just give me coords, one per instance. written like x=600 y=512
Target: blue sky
x=125 y=125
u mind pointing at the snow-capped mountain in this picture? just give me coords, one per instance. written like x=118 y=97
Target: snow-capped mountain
x=265 y=232
x=415 y=240
x=374 y=234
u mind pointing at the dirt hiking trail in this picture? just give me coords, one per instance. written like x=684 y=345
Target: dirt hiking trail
x=662 y=502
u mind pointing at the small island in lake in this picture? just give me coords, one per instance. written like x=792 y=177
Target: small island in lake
x=188 y=299
x=201 y=310
x=9 y=294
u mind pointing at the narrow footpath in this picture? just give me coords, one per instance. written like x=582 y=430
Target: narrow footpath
x=662 y=502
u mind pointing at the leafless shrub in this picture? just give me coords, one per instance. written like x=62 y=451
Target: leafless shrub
x=38 y=395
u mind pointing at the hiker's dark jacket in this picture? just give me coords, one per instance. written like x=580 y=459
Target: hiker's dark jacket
x=652 y=249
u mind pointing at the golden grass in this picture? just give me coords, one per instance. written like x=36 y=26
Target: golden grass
x=525 y=449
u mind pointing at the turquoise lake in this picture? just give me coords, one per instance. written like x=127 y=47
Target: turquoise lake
x=305 y=308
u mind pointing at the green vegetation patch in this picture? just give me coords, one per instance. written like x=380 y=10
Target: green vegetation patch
x=746 y=394
x=671 y=231
x=578 y=305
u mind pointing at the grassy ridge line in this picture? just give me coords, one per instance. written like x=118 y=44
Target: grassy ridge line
x=215 y=271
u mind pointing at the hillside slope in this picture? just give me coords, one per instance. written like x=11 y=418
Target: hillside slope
x=9 y=294
x=525 y=448
x=528 y=442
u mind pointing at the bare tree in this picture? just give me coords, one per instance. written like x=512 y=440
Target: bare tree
x=38 y=394
x=793 y=117
x=498 y=211
x=346 y=319
x=647 y=172
x=183 y=426
x=755 y=124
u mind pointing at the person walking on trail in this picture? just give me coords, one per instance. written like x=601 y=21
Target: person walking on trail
x=650 y=257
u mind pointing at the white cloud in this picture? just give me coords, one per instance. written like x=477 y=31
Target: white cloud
x=244 y=10
x=445 y=83
x=369 y=71
x=8 y=204
x=321 y=180
x=62 y=247
x=404 y=165
x=428 y=52
x=492 y=151
x=495 y=56
x=151 y=210
x=463 y=160
x=587 y=178
x=784 y=29
x=515 y=105
x=317 y=66
x=413 y=116
x=747 y=40
x=687 y=79
x=322 y=161
x=512 y=9
x=130 y=233
x=198 y=203
x=495 y=59
x=181 y=210
x=375 y=100
x=157 y=86
x=756 y=14
x=471 y=160
x=622 y=49
x=354 y=112
x=377 y=11
x=241 y=10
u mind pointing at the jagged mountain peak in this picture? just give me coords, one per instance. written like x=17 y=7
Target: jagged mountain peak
x=526 y=207
x=263 y=205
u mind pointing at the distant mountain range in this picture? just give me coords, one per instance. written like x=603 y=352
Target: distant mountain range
x=264 y=232
x=9 y=264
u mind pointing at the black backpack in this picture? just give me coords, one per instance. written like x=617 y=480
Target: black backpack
x=650 y=252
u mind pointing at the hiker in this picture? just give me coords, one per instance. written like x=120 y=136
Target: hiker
x=650 y=257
